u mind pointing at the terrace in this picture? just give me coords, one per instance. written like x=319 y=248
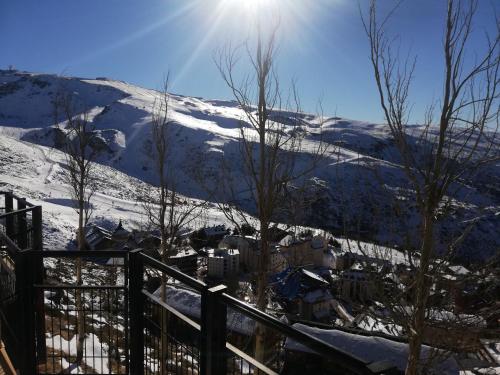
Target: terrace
x=128 y=328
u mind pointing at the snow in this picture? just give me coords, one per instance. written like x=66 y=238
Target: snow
x=95 y=352
x=189 y=303
x=36 y=172
x=368 y=348
x=314 y=275
x=368 y=323
x=204 y=131
x=374 y=251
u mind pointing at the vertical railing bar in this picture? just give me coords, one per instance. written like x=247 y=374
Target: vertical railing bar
x=136 y=307
x=126 y=276
x=9 y=219
x=22 y=242
x=213 y=332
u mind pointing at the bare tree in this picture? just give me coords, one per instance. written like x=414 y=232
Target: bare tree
x=271 y=136
x=165 y=209
x=458 y=135
x=81 y=152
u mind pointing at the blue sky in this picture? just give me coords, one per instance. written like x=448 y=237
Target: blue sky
x=322 y=44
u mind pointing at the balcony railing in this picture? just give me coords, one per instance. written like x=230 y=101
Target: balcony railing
x=131 y=326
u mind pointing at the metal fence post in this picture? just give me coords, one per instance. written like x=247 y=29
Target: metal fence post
x=37 y=244
x=9 y=220
x=136 y=311
x=213 y=332
x=22 y=225
x=36 y=219
x=26 y=308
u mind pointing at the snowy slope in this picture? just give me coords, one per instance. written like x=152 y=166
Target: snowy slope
x=37 y=172
x=363 y=180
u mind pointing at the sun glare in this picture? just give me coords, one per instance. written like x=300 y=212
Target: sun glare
x=246 y=13
x=255 y=5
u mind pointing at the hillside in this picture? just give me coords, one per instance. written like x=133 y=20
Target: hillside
x=357 y=185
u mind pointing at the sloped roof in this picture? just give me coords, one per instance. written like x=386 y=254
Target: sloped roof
x=368 y=348
x=95 y=234
x=189 y=303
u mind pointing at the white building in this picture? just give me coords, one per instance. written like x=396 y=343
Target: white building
x=223 y=263
x=250 y=254
x=313 y=250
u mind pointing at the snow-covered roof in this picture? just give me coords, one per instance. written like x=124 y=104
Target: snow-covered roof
x=459 y=270
x=184 y=252
x=222 y=253
x=287 y=240
x=188 y=302
x=368 y=348
x=314 y=276
x=95 y=234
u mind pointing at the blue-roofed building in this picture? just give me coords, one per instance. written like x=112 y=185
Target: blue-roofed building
x=304 y=293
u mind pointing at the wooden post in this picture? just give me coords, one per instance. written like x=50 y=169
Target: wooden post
x=213 y=332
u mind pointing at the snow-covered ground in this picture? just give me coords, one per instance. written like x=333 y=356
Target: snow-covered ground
x=37 y=172
x=361 y=185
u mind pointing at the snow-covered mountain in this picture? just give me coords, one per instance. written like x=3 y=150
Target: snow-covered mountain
x=359 y=186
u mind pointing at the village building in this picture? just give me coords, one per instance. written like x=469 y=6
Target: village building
x=216 y=232
x=185 y=259
x=250 y=254
x=98 y=238
x=304 y=294
x=311 y=250
x=356 y=283
x=223 y=263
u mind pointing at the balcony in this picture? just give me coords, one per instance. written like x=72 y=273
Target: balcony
x=126 y=323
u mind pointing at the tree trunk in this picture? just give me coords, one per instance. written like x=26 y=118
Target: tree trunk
x=78 y=298
x=163 y=298
x=417 y=325
x=260 y=331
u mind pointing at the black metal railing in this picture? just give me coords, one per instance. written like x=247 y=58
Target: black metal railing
x=20 y=223
x=215 y=334
x=134 y=315
x=95 y=306
x=20 y=230
x=169 y=340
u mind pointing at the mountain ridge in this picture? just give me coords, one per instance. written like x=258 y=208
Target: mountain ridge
x=363 y=178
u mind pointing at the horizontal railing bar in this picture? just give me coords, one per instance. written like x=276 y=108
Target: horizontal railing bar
x=176 y=274
x=303 y=338
x=16 y=197
x=172 y=310
x=15 y=212
x=80 y=253
x=12 y=248
x=69 y=286
x=250 y=359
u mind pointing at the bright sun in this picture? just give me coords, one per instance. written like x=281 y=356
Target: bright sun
x=253 y=6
